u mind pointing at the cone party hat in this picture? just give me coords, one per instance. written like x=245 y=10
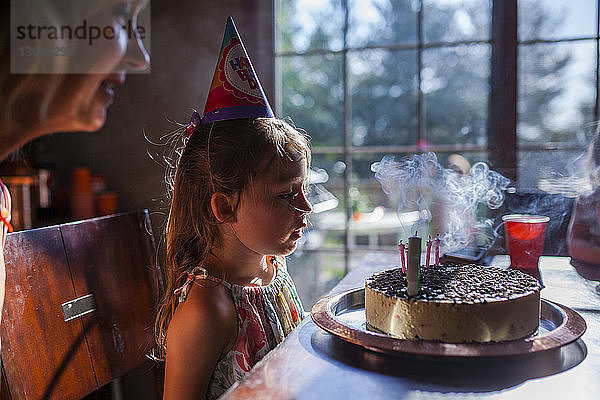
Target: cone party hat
x=235 y=91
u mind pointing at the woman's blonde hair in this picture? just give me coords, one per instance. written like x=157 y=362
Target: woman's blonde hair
x=26 y=97
x=223 y=156
x=24 y=93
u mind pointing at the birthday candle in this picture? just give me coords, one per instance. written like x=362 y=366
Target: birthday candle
x=437 y=250
x=428 y=254
x=413 y=265
x=401 y=248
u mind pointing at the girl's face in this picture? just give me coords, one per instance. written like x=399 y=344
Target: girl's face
x=82 y=99
x=272 y=214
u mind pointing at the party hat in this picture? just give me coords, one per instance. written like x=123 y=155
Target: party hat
x=235 y=91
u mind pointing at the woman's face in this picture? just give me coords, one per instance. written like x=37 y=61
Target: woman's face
x=81 y=101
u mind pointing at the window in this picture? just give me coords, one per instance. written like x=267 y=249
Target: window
x=367 y=78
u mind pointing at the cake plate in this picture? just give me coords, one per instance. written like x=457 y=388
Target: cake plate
x=343 y=315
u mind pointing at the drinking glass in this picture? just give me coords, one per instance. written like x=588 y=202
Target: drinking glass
x=525 y=235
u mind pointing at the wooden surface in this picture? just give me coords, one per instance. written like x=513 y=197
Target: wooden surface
x=113 y=259
x=313 y=364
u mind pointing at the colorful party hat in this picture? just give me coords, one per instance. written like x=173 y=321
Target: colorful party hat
x=235 y=91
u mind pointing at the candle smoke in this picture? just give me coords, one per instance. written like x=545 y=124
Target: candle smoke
x=421 y=183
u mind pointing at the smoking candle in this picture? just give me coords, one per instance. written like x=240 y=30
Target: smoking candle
x=437 y=250
x=413 y=264
x=402 y=249
x=428 y=252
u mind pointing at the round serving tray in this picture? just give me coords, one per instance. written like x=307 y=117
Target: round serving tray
x=343 y=315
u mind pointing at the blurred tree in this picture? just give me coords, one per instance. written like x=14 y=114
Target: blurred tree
x=541 y=70
x=383 y=82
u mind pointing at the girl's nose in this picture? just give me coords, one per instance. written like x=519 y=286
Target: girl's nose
x=303 y=206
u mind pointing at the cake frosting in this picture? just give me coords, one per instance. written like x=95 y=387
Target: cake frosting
x=455 y=304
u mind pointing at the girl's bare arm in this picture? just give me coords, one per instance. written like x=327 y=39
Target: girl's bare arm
x=202 y=329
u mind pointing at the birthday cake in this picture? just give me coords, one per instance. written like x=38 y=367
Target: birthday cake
x=454 y=304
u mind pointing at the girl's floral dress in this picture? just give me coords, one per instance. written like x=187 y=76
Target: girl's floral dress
x=266 y=315
x=5 y=227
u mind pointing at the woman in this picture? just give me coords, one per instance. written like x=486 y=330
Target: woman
x=583 y=236
x=49 y=98
x=34 y=104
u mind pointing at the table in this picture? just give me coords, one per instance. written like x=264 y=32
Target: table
x=313 y=364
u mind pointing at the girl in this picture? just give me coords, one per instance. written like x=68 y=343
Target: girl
x=238 y=207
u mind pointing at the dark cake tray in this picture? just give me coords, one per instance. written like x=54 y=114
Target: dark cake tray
x=343 y=315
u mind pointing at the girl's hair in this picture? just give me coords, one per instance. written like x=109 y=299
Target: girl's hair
x=223 y=156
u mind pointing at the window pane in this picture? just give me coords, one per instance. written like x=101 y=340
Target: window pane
x=443 y=198
x=461 y=162
x=556 y=91
x=382 y=86
x=312 y=96
x=315 y=273
x=304 y=25
x=375 y=220
x=382 y=22
x=380 y=257
x=446 y=21
x=551 y=19
x=327 y=222
x=551 y=171
x=455 y=83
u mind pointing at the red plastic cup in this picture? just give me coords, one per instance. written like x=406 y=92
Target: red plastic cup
x=525 y=241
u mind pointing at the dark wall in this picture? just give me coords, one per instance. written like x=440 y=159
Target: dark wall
x=185 y=39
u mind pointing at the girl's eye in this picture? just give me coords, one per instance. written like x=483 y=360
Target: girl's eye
x=289 y=196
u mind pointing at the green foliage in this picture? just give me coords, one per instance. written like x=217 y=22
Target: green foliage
x=383 y=77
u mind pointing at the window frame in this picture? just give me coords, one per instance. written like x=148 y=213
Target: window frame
x=503 y=145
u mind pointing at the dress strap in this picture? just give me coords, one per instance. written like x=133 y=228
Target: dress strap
x=193 y=274
x=5 y=209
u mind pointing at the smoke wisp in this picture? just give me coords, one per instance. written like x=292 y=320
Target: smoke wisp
x=451 y=199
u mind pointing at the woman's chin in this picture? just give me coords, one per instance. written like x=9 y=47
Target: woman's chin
x=94 y=121
x=97 y=122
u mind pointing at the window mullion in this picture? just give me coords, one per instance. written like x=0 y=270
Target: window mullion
x=502 y=122
x=597 y=103
x=420 y=96
x=347 y=143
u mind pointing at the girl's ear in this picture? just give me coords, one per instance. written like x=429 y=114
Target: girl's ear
x=223 y=206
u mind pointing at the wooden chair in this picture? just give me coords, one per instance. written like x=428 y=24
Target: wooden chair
x=79 y=305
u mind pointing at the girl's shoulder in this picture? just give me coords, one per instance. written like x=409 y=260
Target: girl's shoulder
x=210 y=302
x=207 y=311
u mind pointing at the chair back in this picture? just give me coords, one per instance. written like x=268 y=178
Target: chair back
x=79 y=305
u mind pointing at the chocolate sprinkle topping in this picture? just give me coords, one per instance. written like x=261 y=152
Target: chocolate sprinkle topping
x=452 y=283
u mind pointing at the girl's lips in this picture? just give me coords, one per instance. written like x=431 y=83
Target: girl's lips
x=297 y=234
